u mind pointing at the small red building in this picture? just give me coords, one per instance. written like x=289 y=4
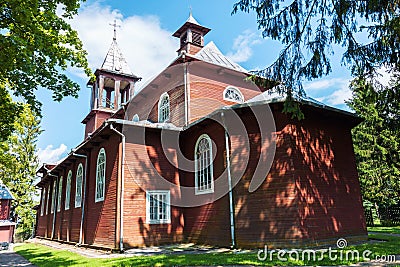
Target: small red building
x=6 y=225
x=201 y=154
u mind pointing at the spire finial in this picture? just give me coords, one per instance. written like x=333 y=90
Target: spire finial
x=115 y=29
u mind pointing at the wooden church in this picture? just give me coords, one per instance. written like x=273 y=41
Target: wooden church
x=201 y=154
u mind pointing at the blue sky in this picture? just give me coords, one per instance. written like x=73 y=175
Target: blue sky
x=145 y=40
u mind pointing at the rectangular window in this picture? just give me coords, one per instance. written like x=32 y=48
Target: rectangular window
x=59 y=194
x=158 y=207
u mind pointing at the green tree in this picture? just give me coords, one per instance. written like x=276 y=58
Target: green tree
x=18 y=166
x=37 y=45
x=369 y=32
x=377 y=140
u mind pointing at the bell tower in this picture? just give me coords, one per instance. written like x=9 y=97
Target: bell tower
x=191 y=35
x=114 y=85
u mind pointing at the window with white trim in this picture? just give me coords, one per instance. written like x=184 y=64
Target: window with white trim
x=43 y=201
x=68 y=191
x=48 y=200
x=233 y=94
x=100 y=175
x=158 y=209
x=163 y=108
x=78 y=188
x=59 y=194
x=53 y=197
x=204 y=180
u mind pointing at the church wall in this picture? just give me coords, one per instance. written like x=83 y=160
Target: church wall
x=327 y=182
x=41 y=227
x=100 y=217
x=148 y=169
x=311 y=194
x=207 y=223
x=177 y=107
x=207 y=87
x=60 y=214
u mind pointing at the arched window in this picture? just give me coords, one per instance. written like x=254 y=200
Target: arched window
x=100 y=175
x=48 y=200
x=135 y=118
x=68 y=190
x=204 y=182
x=233 y=94
x=43 y=201
x=163 y=108
x=78 y=191
x=60 y=182
x=53 y=196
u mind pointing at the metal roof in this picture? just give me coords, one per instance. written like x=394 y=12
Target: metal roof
x=5 y=192
x=211 y=54
x=115 y=61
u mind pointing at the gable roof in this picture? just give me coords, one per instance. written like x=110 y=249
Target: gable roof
x=211 y=54
x=5 y=192
x=115 y=61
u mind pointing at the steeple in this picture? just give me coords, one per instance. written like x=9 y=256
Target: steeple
x=191 y=34
x=114 y=86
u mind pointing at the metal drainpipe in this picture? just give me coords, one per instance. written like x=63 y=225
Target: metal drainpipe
x=185 y=81
x=55 y=202
x=228 y=167
x=121 y=214
x=83 y=199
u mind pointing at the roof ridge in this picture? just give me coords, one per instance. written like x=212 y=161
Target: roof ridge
x=210 y=53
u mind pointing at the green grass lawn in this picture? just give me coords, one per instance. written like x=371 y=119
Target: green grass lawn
x=383 y=229
x=44 y=256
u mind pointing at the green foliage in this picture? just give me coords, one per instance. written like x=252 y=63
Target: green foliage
x=18 y=165
x=37 y=45
x=377 y=140
x=369 y=31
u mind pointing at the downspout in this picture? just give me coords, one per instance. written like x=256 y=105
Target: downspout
x=55 y=202
x=83 y=199
x=121 y=213
x=228 y=167
x=185 y=81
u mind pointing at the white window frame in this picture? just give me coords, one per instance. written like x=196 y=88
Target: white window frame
x=43 y=202
x=59 y=194
x=167 y=213
x=100 y=176
x=236 y=90
x=78 y=197
x=53 y=197
x=164 y=109
x=68 y=191
x=198 y=190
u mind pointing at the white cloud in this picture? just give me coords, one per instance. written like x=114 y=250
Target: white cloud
x=334 y=91
x=242 y=46
x=338 y=97
x=146 y=46
x=50 y=154
x=325 y=83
